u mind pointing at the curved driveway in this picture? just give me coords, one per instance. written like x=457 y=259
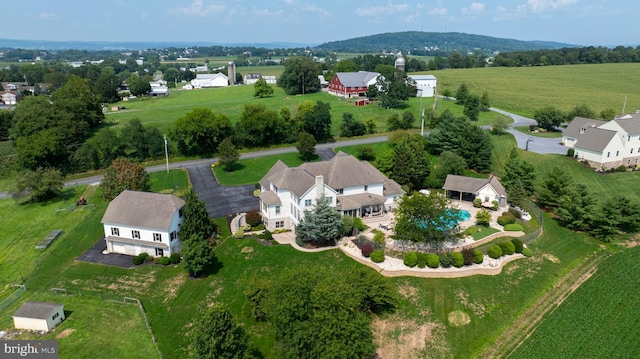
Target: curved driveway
x=536 y=144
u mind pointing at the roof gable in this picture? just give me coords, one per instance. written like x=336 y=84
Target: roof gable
x=595 y=139
x=472 y=184
x=142 y=210
x=630 y=124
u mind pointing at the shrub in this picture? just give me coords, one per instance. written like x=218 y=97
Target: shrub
x=253 y=218
x=517 y=244
x=571 y=152
x=137 y=260
x=358 y=225
x=478 y=257
x=174 y=258
x=495 y=205
x=433 y=261
x=527 y=252
x=507 y=248
x=468 y=256
x=494 y=251
x=366 y=249
x=477 y=202
x=483 y=217
x=366 y=153
x=267 y=235
x=458 y=259
x=506 y=218
x=246 y=227
x=422 y=259
x=621 y=168
x=378 y=237
x=514 y=227
x=347 y=226
x=516 y=212
x=410 y=259
x=446 y=259
x=377 y=256
x=164 y=261
x=239 y=234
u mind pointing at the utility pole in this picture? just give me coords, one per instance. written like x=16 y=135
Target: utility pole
x=166 y=152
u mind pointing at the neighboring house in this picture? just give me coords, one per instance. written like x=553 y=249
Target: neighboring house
x=10 y=98
x=204 y=68
x=605 y=144
x=251 y=78
x=469 y=188
x=159 y=88
x=41 y=316
x=351 y=84
x=425 y=84
x=210 y=80
x=354 y=187
x=323 y=82
x=137 y=222
x=271 y=80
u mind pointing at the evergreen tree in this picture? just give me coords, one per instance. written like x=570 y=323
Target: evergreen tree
x=321 y=225
x=196 y=218
x=462 y=93
x=306 y=146
x=197 y=255
x=228 y=153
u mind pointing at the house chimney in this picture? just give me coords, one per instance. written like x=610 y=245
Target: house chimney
x=319 y=186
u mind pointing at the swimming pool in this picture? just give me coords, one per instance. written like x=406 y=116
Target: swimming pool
x=456 y=216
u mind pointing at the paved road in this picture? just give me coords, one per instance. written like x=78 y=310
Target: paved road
x=533 y=144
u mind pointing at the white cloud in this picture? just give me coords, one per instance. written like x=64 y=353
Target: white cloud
x=314 y=8
x=267 y=12
x=438 y=11
x=372 y=11
x=48 y=16
x=199 y=8
x=538 y=6
x=476 y=8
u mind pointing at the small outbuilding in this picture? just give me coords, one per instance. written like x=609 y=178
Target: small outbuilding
x=41 y=316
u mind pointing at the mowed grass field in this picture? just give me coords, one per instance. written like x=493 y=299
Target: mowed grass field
x=523 y=90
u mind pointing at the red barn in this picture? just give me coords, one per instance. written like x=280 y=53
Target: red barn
x=351 y=84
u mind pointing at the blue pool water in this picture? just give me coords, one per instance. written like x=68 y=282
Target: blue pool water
x=458 y=215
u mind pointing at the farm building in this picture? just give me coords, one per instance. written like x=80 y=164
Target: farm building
x=210 y=80
x=605 y=144
x=137 y=222
x=351 y=84
x=425 y=84
x=41 y=316
x=469 y=188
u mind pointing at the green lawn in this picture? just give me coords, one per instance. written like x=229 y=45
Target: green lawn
x=479 y=232
x=540 y=133
x=523 y=90
x=175 y=182
x=251 y=170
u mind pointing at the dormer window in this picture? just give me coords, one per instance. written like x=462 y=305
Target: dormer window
x=582 y=130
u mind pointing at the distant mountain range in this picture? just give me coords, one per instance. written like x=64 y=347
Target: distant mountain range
x=430 y=41
x=408 y=41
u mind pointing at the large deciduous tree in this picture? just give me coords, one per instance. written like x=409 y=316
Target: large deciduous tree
x=39 y=185
x=200 y=131
x=548 y=118
x=259 y=126
x=216 y=335
x=350 y=127
x=449 y=163
x=306 y=146
x=318 y=121
x=138 y=86
x=262 y=89
x=300 y=76
x=121 y=175
x=320 y=225
x=426 y=219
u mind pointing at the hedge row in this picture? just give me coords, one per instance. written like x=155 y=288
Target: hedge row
x=510 y=247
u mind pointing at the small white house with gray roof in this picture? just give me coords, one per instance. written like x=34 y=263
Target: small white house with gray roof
x=470 y=188
x=137 y=222
x=353 y=187
x=425 y=85
x=40 y=316
x=351 y=84
x=605 y=144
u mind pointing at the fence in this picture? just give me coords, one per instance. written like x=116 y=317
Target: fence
x=113 y=298
x=13 y=296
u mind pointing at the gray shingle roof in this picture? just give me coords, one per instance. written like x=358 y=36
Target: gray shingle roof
x=595 y=139
x=359 y=200
x=573 y=129
x=631 y=124
x=270 y=198
x=356 y=79
x=142 y=209
x=37 y=310
x=342 y=171
x=472 y=185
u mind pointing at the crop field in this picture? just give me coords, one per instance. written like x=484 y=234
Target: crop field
x=523 y=90
x=598 y=320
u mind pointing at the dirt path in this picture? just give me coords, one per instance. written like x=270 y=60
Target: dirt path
x=528 y=321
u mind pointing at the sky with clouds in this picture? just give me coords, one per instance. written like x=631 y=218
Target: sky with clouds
x=580 y=22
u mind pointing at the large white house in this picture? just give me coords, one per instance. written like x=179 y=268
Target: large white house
x=354 y=187
x=605 y=144
x=210 y=80
x=41 y=316
x=137 y=222
x=425 y=85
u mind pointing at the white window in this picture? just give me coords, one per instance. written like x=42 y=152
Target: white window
x=307 y=202
x=115 y=231
x=277 y=209
x=157 y=237
x=159 y=252
x=617 y=153
x=135 y=234
x=279 y=224
x=608 y=154
x=55 y=316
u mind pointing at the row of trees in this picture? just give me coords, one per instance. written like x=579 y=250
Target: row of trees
x=550 y=118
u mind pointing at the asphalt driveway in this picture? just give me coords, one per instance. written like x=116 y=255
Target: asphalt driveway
x=94 y=255
x=221 y=200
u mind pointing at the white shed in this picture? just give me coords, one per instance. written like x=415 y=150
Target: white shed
x=425 y=84
x=42 y=316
